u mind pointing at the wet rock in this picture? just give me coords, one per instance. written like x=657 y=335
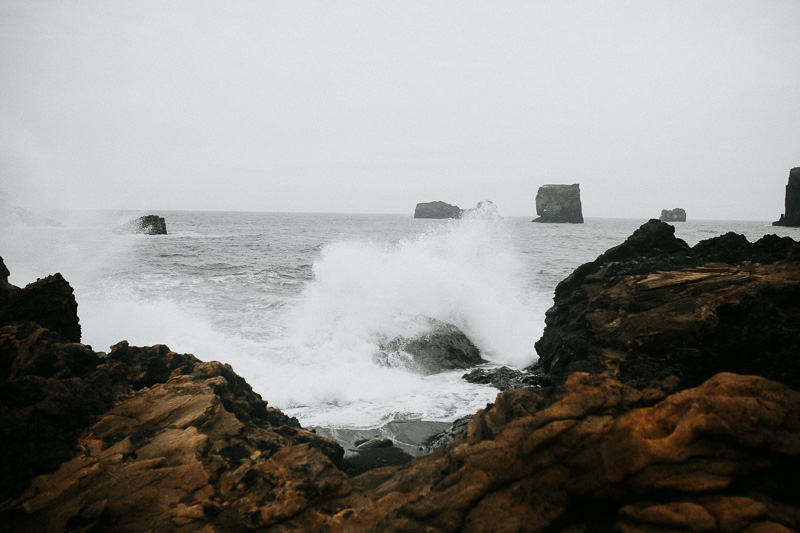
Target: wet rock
x=673 y=215
x=504 y=378
x=443 y=347
x=437 y=210
x=668 y=311
x=146 y=225
x=559 y=204
x=49 y=302
x=791 y=216
x=628 y=435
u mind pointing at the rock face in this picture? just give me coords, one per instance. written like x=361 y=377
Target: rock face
x=673 y=215
x=654 y=308
x=792 y=215
x=648 y=419
x=437 y=210
x=444 y=347
x=146 y=225
x=559 y=203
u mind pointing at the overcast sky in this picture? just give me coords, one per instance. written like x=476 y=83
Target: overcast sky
x=373 y=106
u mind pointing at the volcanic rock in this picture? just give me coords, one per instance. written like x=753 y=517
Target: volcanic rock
x=146 y=225
x=443 y=347
x=637 y=430
x=654 y=308
x=673 y=215
x=559 y=204
x=791 y=217
x=437 y=210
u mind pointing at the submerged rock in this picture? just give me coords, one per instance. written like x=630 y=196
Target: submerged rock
x=791 y=216
x=146 y=225
x=441 y=348
x=673 y=215
x=559 y=204
x=437 y=210
x=504 y=378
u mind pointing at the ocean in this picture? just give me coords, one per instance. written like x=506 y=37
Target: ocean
x=298 y=303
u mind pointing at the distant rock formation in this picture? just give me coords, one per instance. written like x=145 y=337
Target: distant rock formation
x=792 y=215
x=559 y=204
x=437 y=210
x=673 y=215
x=146 y=225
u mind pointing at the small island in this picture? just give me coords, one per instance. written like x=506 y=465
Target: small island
x=559 y=204
x=791 y=216
x=437 y=210
x=146 y=225
x=673 y=215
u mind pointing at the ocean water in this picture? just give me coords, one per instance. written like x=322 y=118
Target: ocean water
x=298 y=303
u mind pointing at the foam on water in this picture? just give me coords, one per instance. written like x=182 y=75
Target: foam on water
x=306 y=347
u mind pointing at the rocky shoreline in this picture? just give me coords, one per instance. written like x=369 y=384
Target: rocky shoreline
x=666 y=399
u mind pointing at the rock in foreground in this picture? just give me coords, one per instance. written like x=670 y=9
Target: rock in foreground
x=146 y=225
x=637 y=430
x=559 y=204
x=791 y=217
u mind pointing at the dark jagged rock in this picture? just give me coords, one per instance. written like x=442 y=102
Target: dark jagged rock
x=624 y=437
x=444 y=347
x=49 y=302
x=673 y=215
x=791 y=216
x=504 y=378
x=559 y=204
x=654 y=308
x=146 y=225
x=437 y=210
x=4 y=273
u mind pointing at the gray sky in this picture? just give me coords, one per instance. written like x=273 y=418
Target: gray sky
x=373 y=106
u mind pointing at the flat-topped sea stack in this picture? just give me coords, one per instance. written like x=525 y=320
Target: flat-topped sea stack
x=559 y=204
x=146 y=225
x=673 y=215
x=437 y=210
x=791 y=216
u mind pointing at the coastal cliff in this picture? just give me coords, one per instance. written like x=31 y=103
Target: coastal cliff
x=791 y=216
x=559 y=204
x=668 y=401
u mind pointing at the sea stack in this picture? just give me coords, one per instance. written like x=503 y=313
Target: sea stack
x=146 y=225
x=673 y=215
x=791 y=216
x=437 y=210
x=559 y=204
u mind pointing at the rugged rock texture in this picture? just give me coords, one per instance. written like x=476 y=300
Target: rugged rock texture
x=673 y=215
x=49 y=302
x=146 y=225
x=792 y=215
x=559 y=203
x=634 y=429
x=437 y=210
x=444 y=347
x=654 y=308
